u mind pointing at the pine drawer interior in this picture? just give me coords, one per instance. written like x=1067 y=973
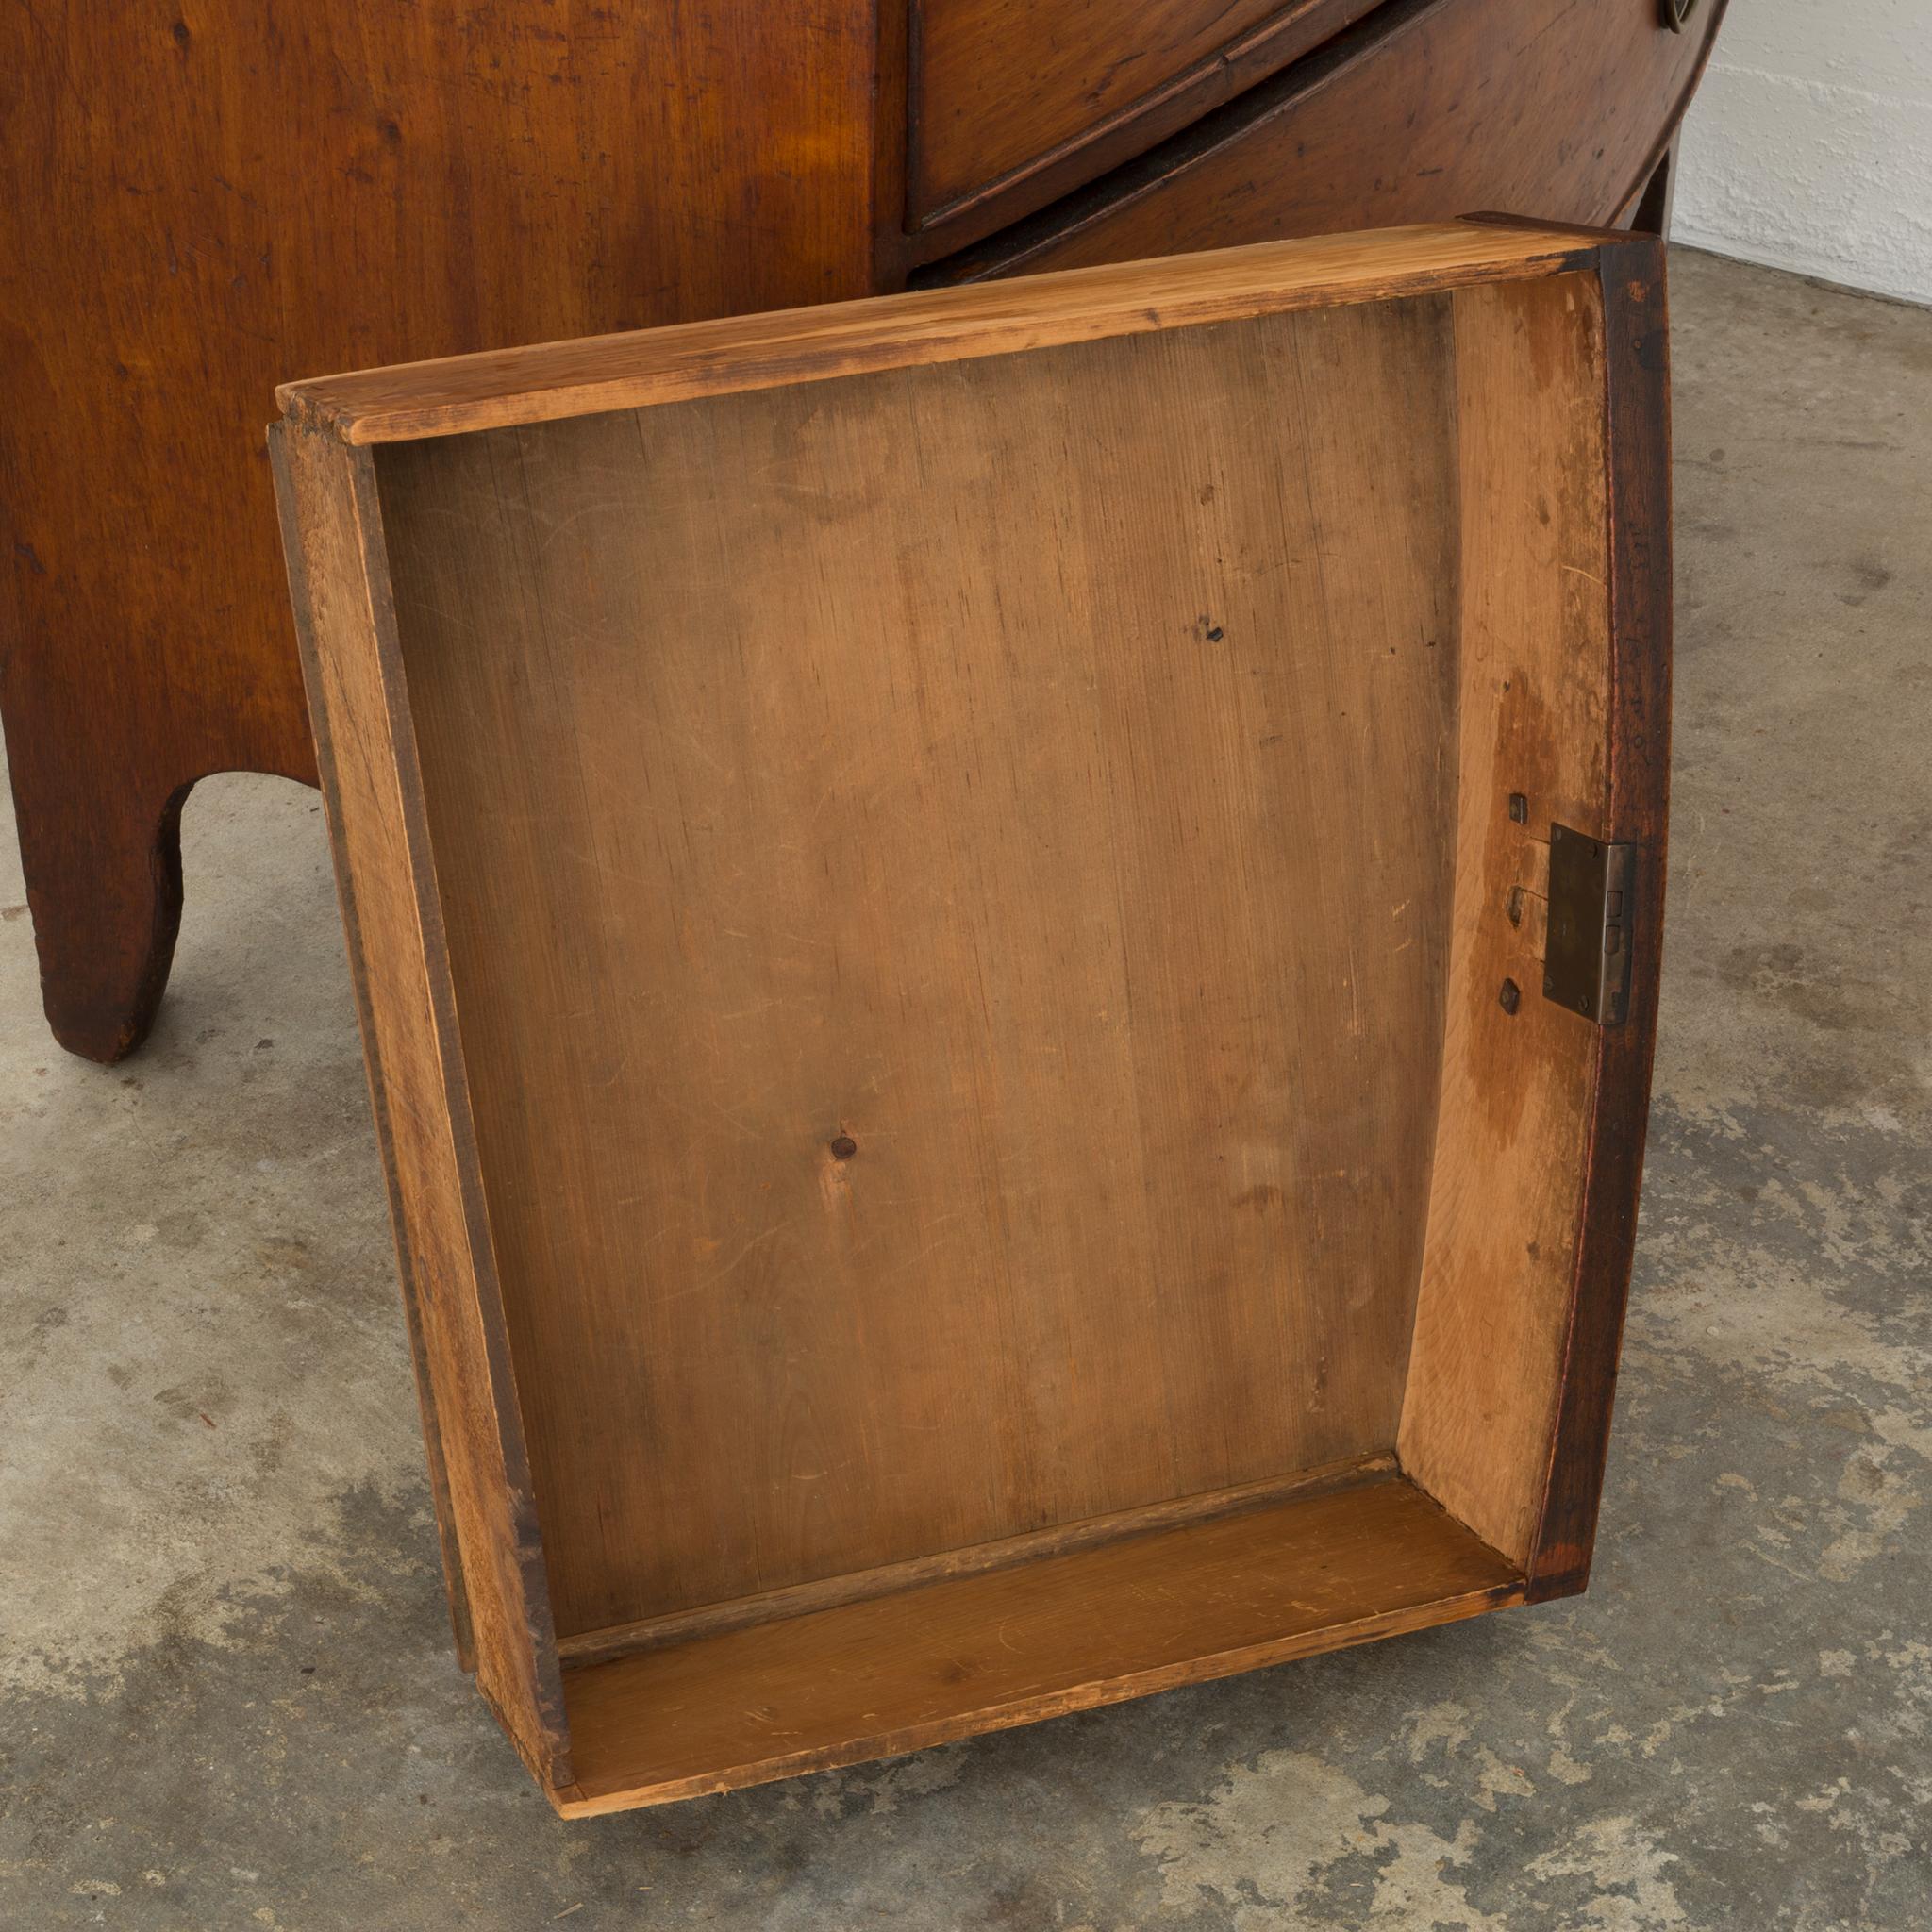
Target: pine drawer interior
x=952 y=952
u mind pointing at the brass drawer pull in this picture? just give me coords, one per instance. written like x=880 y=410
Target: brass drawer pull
x=1678 y=13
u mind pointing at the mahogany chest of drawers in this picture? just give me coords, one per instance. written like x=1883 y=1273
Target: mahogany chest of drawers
x=205 y=200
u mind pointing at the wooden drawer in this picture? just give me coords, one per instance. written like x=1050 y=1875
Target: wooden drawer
x=1015 y=101
x=1430 y=110
x=1007 y=945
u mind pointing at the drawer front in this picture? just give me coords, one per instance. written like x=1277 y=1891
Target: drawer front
x=1015 y=101
x=1541 y=107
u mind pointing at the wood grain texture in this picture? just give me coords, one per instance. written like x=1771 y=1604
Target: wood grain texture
x=229 y=196
x=1543 y=108
x=975 y=1560
x=1029 y=767
x=344 y=621
x=1637 y=367
x=204 y=199
x=988 y=1652
x=553 y=380
x=1016 y=101
x=931 y=919
x=1513 y=1138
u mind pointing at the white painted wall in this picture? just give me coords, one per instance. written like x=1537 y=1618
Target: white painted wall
x=1809 y=145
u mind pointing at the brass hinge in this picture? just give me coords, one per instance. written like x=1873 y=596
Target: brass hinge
x=1587 y=959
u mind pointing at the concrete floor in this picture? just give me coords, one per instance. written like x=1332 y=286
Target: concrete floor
x=226 y=1692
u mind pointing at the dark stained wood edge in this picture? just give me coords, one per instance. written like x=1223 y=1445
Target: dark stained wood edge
x=894 y=26
x=530 y=1705
x=499 y=389
x=1637 y=376
x=912 y=70
x=1501 y=218
x=1296 y=30
x=1650 y=214
x=978 y=1559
